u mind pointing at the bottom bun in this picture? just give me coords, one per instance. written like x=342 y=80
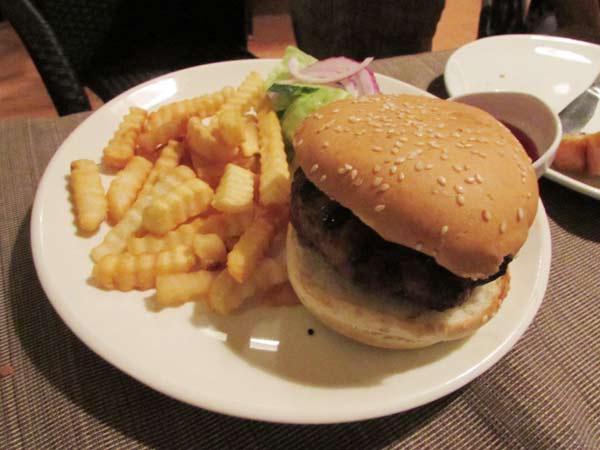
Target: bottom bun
x=381 y=321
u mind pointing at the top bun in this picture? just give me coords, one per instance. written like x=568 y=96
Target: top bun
x=440 y=177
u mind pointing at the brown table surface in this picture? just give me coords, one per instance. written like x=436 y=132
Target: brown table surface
x=545 y=394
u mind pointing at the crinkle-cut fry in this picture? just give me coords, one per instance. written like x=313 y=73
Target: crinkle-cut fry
x=249 y=144
x=206 y=141
x=182 y=235
x=202 y=106
x=227 y=226
x=170 y=157
x=279 y=295
x=209 y=249
x=115 y=240
x=248 y=95
x=121 y=148
x=208 y=171
x=88 y=194
x=125 y=271
x=227 y=294
x=251 y=247
x=175 y=207
x=125 y=187
x=274 y=184
x=177 y=288
x=150 y=140
x=235 y=192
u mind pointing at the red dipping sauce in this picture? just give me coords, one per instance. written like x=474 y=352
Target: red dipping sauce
x=525 y=141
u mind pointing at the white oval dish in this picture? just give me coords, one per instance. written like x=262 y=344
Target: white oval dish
x=259 y=363
x=553 y=69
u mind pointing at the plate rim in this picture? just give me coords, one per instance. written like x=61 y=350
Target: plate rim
x=240 y=409
x=454 y=89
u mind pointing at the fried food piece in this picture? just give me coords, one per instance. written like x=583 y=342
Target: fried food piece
x=202 y=106
x=175 y=207
x=249 y=95
x=210 y=250
x=150 y=140
x=125 y=271
x=88 y=194
x=121 y=148
x=206 y=141
x=571 y=153
x=227 y=226
x=178 y=288
x=116 y=239
x=250 y=137
x=227 y=294
x=279 y=295
x=248 y=251
x=593 y=155
x=208 y=171
x=170 y=157
x=274 y=185
x=183 y=235
x=236 y=190
x=125 y=186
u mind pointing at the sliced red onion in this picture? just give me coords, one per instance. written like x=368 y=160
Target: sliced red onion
x=367 y=82
x=327 y=71
x=350 y=86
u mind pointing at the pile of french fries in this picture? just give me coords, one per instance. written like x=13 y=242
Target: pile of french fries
x=199 y=206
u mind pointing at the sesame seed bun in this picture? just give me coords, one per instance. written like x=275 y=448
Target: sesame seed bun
x=440 y=177
x=378 y=320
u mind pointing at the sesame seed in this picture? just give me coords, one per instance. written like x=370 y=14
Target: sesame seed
x=377 y=181
x=459 y=189
x=300 y=142
x=456 y=134
x=353 y=119
x=444 y=229
x=520 y=214
x=429 y=167
x=419 y=247
x=393 y=170
x=487 y=216
x=383 y=187
x=395 y=151
x=470 y=180
x=400 y=160
x=404 y=139
x=376 y=168
x=398 y=143
x=325 y=144
x=419 y=166
x=376 y=148
x=314 y=168
x=401 y=176
x=460 y=199
x=503 y=227
x=323 y=177
x=379 y=208
x=357 y=182
x=444 y=156
x=456 y=168
x=353 y=174
x=342 y=170
x=434 y=144
x=412 y=155
x=442 y=181
x=319 y=116
x=478 y=178
x=347 y=166
x=335 y=110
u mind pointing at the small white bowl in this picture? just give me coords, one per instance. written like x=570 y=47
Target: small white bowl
x=527 y=113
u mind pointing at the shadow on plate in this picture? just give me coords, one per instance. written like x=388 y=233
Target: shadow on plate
x=289 y=342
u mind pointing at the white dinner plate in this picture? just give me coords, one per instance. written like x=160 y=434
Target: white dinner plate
x=552 y=68
x=260 y=363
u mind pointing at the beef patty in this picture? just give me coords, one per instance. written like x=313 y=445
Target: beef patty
x=359 y=253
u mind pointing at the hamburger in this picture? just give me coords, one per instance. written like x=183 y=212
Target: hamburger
x=405 y=214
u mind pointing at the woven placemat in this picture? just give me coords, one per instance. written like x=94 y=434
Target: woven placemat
x=56 y=393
